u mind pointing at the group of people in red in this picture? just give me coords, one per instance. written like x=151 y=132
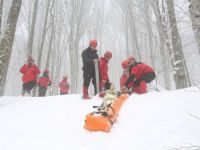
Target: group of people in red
x=135 y=76
x=30 y=79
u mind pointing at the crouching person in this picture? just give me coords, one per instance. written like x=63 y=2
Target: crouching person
x=140 y=74
x=43 y=83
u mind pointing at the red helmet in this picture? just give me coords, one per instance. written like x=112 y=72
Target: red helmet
x=108 y=54
x=46 y=71
x=125 y=64
x=131 y=58
x=93 y=43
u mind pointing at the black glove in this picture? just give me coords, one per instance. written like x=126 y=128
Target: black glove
x=137 y=82
x=130 y=78
x=118 y=94
x=107 y=85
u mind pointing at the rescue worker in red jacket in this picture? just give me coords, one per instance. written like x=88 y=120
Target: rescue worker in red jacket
x=103 y=71
x=64 y=86
x=30 y=72
x=43 y=82
x=89 y=57
x=141 y=74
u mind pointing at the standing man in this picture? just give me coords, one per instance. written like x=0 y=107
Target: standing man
x=30 y=72
x=89 y=57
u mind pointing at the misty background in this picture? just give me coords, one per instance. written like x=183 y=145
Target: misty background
x=55 y=32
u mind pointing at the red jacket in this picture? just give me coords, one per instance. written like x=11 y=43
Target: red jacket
x=103 y=69
x=141 y=69
x=29 y=73
x=44 y=81
x=64 y=86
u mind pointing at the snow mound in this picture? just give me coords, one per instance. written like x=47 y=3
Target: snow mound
x=153 y=121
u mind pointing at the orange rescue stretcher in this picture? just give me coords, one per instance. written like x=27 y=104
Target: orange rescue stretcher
x=103 y=119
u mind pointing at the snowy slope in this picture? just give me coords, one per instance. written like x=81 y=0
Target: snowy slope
x=153 y=121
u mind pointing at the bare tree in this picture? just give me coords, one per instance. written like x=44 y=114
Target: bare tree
x=181 y=75
x=127 y=37
x=52 y=34
x=44 y=32
x=127 y=7
x=79 y=18
x=1 y=12
x=145 y=11
x=50 y=42
x=6 y=42
x=98 y=27
x=32 y=29
x=194 y=9
x=130 y=12
x=164 y=44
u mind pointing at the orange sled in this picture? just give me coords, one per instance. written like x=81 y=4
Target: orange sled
x=103 y=121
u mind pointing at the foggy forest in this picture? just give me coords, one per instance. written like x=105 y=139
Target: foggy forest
x=164 y=34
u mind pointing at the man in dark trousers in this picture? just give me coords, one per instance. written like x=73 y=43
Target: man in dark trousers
x=30 y=72
x=43 y=82
x=89 y=57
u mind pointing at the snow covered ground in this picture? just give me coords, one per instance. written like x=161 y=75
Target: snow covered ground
x=153 y=121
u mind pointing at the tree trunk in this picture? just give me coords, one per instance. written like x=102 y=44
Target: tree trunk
x=180 y=68
x=32 y=30
x=134 y=34
x=163 y=44
x=40 y=50
x=6 y=42
x=52 y=35
x=194 y=9
x=128 y=10
x=50 y=45
x=1 y=13
x=127 y=37
x=53 y=67
x=77 y=28
x=147 y=16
